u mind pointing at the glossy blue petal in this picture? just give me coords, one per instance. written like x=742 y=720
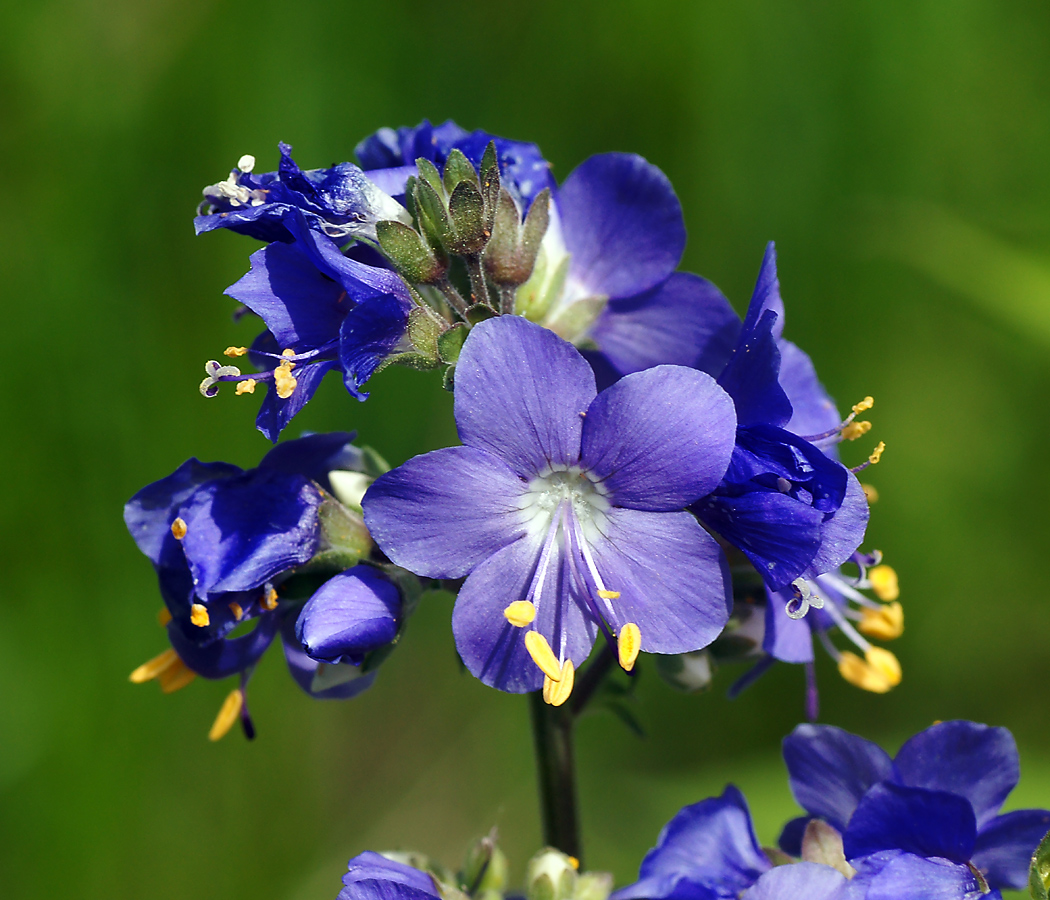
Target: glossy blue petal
x=751 y=377
x=622 y=224
x=711 y=844
x=149 y=514
x=276 y=412
x=799 y=881
x=895 y=875
x=374 y=877
x=402 y=147
x=225 y=656
x=766 y=296
x=975 y=761
x=683 y=321
x=843 y=530
x=244 y=530
x=520 y=394
x=443 y=513
x=831 y=770
x=350 y=615
x=314 y=456
x=659 y=439
x=916 y=820
x=321 y=681
x=1005 y=846
x=813 y=411
x=368 y=335
x=789 y=640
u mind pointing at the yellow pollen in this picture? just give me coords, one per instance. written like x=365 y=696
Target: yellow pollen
x=163 y=617
x=269 y=600
x=199 y=615
x=628 y=644
x=609 y=595
x=855 y=430
x=178 y=529
x=150 y=670
x=246 y=387
x=238 y=612
x=883 y=624
x=283 y=379
x=542 y=655
x=871 y=493
x=288 y=351
x=876 y=454
x=884 y=582
x=865 y=404
x=176 y=677
x=228 y=713
x=574 y=862
x=860 y=674
x=520 y=613
x=235 y=351
x=885 y=663
x=557 y=692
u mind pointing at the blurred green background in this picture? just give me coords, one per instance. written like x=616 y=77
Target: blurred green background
x=897 y=152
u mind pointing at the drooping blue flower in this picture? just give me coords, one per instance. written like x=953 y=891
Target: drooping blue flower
x=938 y=800
x=564 y=509
x=224 y=543
x=371 y=876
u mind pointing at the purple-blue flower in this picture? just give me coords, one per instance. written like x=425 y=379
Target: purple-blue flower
x=225 y=544
x=371 y=876
x=564 y=509
x=938 y=800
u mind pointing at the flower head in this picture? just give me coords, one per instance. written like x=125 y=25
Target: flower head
x=564 y=509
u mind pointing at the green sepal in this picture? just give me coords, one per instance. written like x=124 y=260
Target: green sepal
x=1039 y=871
x=536 y=297
x=411 y=360
x=428 y=172
x=342 y=529
x=424 y=331
x=433 y=217
x=458 y=169
x=448 y=380
x=485 y=867
x=537 y=220
x=372 y=463
x=690 y=673
x=479 y=312
x=822 y=843
x=411 y=255
x=488 y=175
x=593 y=886
x=574 y=321
x=778 y=857
x=466 y=212
x=450 y=342
x=410 y=196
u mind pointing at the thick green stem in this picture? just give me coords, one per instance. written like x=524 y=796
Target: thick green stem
x=552 y=732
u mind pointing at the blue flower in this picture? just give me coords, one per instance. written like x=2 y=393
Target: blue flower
x=937 y=802
x=375 y=877
x=225 y=544
x=564 y=509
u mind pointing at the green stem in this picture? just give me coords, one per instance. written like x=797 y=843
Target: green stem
x=552 y=732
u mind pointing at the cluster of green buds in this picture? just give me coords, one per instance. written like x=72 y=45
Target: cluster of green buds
x=466 y=253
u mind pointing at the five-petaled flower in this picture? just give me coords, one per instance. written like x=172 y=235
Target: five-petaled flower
x=564 y=509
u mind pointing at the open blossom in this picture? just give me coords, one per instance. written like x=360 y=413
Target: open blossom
x=564 y=509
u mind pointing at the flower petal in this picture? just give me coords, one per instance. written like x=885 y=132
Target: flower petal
x=520 y=393
x=493 y=649
x=225 y=656
x=916 y=820
x=374 y=877
x=314 y=456
x=623 y=225
x=683 y=321
x=813 y=411
x=830 y=770
x=751 y=377
x=842 y=532
x=1006 y=844
x=368 y=335
x=789 y=640
x=659 y=439
x=321 y=681
x=443 y=513
x=766 y=295
x=672 y=577
x=800 y=881
x=893 y=875
x=974 y=761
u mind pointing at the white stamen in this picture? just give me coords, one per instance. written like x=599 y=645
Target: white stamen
x=246 y=163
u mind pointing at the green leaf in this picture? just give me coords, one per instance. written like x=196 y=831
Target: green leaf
x=1039 y=872
x=450 y=342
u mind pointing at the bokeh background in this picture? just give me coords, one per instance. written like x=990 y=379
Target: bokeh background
x=897 y=152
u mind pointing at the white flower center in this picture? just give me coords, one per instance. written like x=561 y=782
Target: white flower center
x=587 y=499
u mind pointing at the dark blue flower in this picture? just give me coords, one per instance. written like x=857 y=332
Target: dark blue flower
x=564 y=509
x=225 y=542
x=938 y=799
x=374 y=877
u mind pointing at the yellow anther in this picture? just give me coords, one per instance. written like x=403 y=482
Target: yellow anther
x=228 y=714
x=542 y=655
x=883 y=624
x=609 y=595
x=288 y=351
x=628 y=644
x=876 y=454
x=557 y=692
x=871 y=493
x=269 y=600
x=884 y=582
x=176 y=677
x=860 y=674
x=855 y=430
x=885 y=663
x=152 y=669
x=178 y=529
x=866 y=403
x=574 y=862
x=235 y=351
x=199 y=615
x=520 y=613
x=237 y=610
x=163 y=617
x=283 y=379
x=246 y=387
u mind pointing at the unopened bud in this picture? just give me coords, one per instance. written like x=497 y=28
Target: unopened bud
x=550 y=875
